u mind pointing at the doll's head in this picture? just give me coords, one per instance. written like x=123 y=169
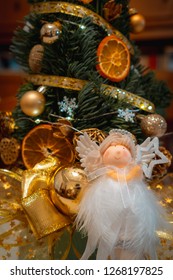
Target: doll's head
x=118 y=149
x=117 y=155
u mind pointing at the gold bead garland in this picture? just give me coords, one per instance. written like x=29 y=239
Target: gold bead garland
x=77 y=84
x=78 y=11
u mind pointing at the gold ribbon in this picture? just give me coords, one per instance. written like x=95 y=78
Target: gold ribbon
x=78 y=11
x=77 y=84
x=34 y=207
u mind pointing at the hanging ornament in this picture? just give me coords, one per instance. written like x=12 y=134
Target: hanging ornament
x=68 y=183
x=9 y=150
x=43 y=141
x=111 y=10
x=33 y=102
x=137 y=21
x=35 y=58
x=7 y=124
x=50 y=32
x=153 y=125
x=113 y=59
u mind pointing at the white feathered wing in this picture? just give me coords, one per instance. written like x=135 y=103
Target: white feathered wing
x=89 y=153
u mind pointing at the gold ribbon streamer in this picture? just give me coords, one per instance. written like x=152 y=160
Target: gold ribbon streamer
x=77 y=84
x=36 y=205
x=78 y=11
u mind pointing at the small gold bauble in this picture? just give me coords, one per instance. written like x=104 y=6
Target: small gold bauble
x=137 y=21
x=32 y=103
x=69 y=181
x=50 y=32
x=153 y=125
x=35 y=58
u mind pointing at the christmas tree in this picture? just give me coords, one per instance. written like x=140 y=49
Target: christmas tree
x=83 y=74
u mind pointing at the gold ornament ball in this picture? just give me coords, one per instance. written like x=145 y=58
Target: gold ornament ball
x=35 y=58
x=153 y=125
x=32 y=103
x=137 y=22
x=50 y=32
x=69 y=181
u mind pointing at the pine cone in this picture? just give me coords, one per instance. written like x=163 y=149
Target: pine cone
x=112 y=10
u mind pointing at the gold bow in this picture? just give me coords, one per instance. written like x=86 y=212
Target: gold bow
x=27 y=199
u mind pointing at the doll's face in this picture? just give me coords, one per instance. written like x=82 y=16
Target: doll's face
x=117 y=155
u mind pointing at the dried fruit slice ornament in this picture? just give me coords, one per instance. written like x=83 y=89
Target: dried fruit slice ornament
x=41 y=142
x=113 y=59
x=9 y=150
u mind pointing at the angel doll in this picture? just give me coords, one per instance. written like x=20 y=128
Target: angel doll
x=117 y=211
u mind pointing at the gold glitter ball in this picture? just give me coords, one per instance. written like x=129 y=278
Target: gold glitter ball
x=153 y=125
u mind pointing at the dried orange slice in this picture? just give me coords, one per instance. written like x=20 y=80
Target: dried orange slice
x=114 y=59
x=40 y=143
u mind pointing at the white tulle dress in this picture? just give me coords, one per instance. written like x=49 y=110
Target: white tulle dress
x=118 y=212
